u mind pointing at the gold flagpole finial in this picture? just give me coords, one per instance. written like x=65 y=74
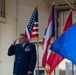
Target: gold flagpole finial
x=36 y=6
x=71 y=10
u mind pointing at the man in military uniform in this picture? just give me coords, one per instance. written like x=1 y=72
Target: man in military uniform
x=25 y=56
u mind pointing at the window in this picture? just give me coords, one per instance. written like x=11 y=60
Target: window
x=2 y=8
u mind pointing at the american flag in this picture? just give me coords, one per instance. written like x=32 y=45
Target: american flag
x=32 y=27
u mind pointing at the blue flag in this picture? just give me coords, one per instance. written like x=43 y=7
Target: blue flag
x=65 y=45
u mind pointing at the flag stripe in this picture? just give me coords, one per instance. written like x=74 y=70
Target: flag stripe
x=27 y=33
x=32 y=27
x=68 y=22
x=35 y=31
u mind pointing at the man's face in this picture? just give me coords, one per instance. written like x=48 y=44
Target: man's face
x=22 y=39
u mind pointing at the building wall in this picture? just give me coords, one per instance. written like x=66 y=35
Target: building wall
x=7 y=34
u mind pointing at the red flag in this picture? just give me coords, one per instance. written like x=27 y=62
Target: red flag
x=49 y=32
x=32 y=27
x=54 y=59
x=68 y=22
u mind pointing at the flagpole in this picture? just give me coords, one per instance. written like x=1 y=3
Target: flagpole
x=54 y=69
x=72 y=69
x=72 y=63
x=54 y=72
x=57 y=27
x=16 y=15
x=37 y=56
x=37 y=46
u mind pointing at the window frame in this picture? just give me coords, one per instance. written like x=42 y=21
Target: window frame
x=3 y=18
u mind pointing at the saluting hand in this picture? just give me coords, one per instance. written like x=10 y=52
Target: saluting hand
x=14 y=42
